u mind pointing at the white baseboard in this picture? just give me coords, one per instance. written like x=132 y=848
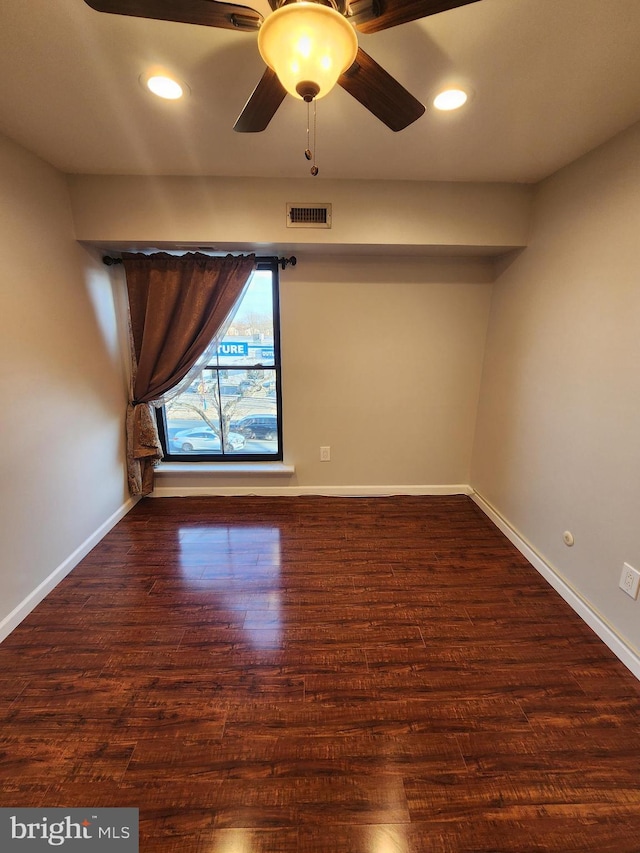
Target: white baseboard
x=13 y=619
x=297 y=491
x=587 y=612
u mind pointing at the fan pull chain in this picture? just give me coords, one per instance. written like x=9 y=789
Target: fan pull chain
x=307 y=152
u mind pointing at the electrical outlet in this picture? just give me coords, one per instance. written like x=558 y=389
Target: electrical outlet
x=325 y=454
x=630 y=580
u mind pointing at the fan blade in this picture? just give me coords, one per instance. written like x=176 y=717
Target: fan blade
x=262 y=105
x=209 y=13
x=370 y=16
x=380 y=93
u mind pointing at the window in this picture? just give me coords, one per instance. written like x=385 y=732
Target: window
x=232 y=409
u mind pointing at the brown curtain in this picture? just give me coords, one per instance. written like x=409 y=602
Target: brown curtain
x=177 y=305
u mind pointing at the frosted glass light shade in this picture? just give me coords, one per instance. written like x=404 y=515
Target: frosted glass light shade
x=307 y=43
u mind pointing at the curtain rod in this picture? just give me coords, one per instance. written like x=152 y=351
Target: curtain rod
x=284 y=262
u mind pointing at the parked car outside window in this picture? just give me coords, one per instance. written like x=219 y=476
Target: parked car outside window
x=205 y=439
x=257 y=426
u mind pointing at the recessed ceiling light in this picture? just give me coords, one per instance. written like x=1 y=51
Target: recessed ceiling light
x=450 y=99
x=165 y=87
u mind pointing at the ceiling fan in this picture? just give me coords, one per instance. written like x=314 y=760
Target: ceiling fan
x=287 y=42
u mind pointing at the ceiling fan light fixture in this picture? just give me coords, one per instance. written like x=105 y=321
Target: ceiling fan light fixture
x=450 y=99
x=308 y=46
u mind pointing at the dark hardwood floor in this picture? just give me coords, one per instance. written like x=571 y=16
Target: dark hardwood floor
x=321 y=675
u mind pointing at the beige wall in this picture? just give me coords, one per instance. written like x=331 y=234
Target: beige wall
x=236 y=213
x=381 y=361
x=381 y=352
x=61 y=382
x=558 y=441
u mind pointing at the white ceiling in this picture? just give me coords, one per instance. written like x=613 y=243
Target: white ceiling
x=552 y=79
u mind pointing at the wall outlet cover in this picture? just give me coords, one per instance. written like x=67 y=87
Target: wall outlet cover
x=630 y=580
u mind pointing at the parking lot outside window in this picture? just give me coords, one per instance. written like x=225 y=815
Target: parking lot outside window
x=232 y=410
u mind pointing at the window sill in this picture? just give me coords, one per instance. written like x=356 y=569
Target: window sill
x=207 y=468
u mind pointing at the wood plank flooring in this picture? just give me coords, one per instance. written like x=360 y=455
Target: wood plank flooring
x=321 y=675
